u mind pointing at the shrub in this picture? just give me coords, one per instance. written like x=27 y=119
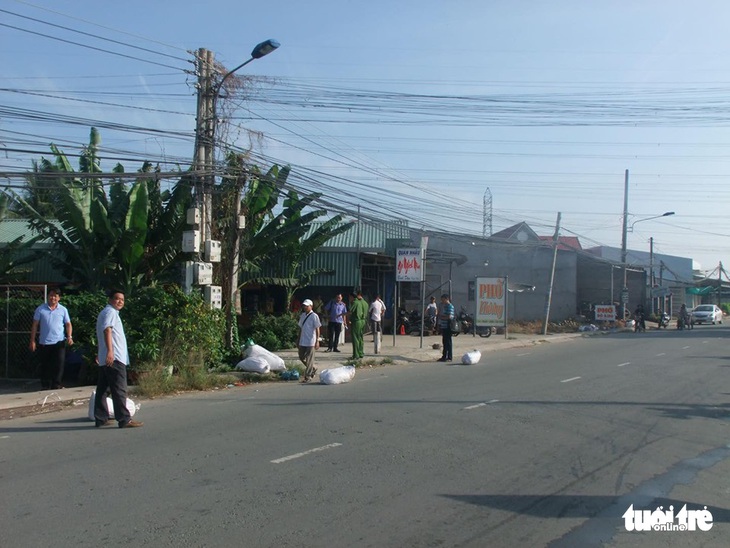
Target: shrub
x=272 y=332
x=166 y=327
x=163 y=325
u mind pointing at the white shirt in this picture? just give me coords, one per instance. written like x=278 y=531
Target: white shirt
x=309 y=323
x=109 y=317
x=377 y=309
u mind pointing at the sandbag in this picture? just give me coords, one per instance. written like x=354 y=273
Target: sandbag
x=131 y=406
x=338 y=375
x=254 y=364
x=472 y=357
x=276 y=363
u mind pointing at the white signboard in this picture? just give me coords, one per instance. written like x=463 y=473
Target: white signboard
x=605 y=312
x=491 y=300
x=409 y=267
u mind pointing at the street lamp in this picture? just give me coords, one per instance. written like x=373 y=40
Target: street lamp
x=625 y=288
x=206 y=135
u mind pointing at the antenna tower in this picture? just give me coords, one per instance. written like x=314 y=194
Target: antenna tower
x=487 y=214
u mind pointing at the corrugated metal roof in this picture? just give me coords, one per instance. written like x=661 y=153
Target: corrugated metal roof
x=366 y=235
x=10 y=229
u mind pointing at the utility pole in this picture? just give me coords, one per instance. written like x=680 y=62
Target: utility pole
x=625 y=287
x=651 y=273
x=549 y=297
x=203 y=141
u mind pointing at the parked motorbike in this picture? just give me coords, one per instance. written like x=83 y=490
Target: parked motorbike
x=409 y=323
x=466 y=322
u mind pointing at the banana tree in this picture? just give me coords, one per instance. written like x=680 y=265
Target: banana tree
x=291 y=242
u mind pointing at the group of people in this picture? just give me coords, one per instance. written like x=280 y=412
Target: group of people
x=339 y=317
x=52 y=331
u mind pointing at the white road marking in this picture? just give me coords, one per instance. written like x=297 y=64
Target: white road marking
x=662 y=354
x=571 y=379
x=4 y=437
x=480 y=405
x=304 y=453
x=686 y=347
x=625 y=363
x=524 y=354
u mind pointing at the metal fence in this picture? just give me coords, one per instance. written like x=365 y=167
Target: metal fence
x=17 y=304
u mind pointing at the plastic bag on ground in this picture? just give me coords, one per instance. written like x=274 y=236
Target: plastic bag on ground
x=338 y=375
x=275 y=362
x=254 y=364
x=131 y=406
x=472 y=357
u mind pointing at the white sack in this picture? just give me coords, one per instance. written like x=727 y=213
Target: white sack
x=254 y=364
x=338 y=375
x=275 y=362
x=470 y=358
x=131 y=406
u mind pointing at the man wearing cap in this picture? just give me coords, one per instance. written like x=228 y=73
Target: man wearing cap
x=309 y=325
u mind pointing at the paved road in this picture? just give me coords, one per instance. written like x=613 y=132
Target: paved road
x=541 y=446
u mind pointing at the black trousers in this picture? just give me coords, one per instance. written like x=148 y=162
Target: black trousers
x=334 y=329
x=114 y=378
x=52 y=358
x=447 y=344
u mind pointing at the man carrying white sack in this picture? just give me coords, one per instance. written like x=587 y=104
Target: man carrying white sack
x=309 y=325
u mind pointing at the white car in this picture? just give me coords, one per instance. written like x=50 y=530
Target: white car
x=707 y=313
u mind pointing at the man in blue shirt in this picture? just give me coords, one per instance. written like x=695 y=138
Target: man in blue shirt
x=336 y=312
x=51 y=319
x=113 y=359
x=446 y=314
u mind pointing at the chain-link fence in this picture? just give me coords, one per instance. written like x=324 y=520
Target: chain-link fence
x=17 y=304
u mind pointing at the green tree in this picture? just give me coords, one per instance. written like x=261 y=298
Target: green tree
x=126 y=237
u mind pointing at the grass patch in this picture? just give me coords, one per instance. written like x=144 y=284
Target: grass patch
x=368 y=362
x=158 y=381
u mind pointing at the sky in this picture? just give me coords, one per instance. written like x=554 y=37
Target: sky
x=416 y=110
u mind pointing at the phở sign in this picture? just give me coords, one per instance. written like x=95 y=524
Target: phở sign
x=491 y=301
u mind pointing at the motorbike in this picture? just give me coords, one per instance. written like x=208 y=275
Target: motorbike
x=639 y=325
x=466 y=323
x=663 y=320
x=409 y=323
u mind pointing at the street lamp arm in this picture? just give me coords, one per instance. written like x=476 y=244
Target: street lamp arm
x=665 y=214
x=264 y=48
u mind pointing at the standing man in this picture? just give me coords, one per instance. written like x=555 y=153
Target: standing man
x=358 y=317
x=336 y=311
x=377 y=312
x=431 y=314
x=113 y=359
x=309 y=325
x=52 y=320
x=445 y=316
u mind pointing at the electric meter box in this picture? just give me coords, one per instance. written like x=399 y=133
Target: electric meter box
x=193 y=216
x=191 y=241
x=203 y=273
x=212 y=251
x=213 y=295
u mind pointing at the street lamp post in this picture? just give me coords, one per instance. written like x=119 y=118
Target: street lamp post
x=206 y=135
x=625 y=289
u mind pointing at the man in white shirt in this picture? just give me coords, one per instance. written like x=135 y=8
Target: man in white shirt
x=113 y=359
x=377 y=311
x=309 y=325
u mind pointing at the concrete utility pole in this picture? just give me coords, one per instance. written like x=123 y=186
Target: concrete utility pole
x=549 y=297
x=625 y=287
x=203 y=160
